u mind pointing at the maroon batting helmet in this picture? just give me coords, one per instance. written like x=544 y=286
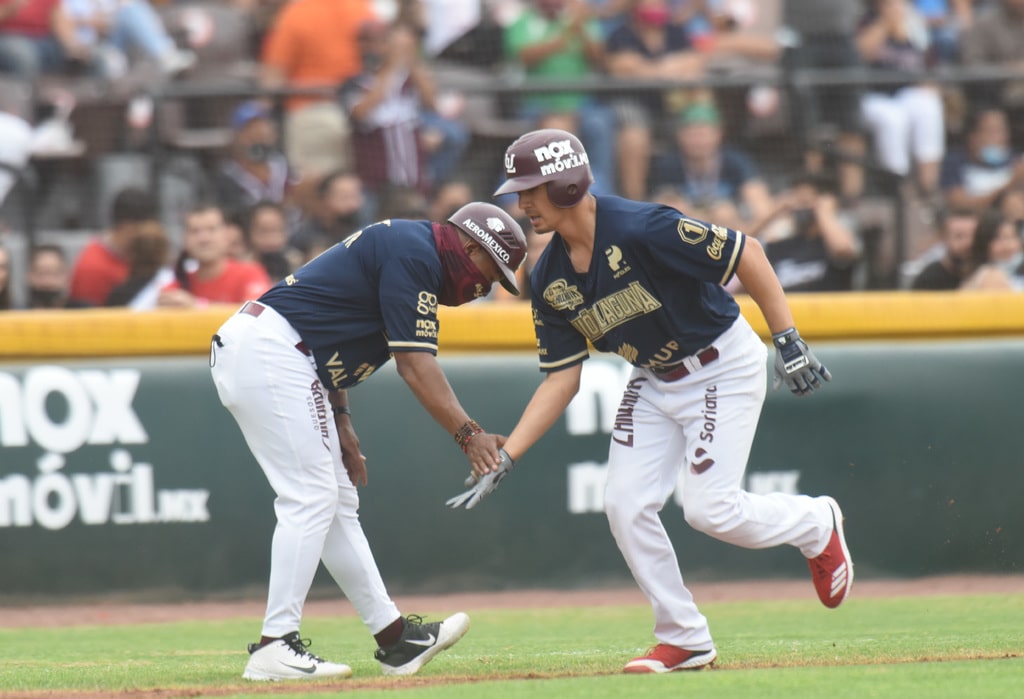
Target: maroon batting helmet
x=552 y=156
x=498 y=234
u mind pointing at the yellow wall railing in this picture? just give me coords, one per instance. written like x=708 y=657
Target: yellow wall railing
x=26 y=335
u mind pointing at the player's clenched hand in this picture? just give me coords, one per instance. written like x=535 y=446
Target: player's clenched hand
x=796 y=365
x=482 y=452
x=351 y=455
x=481 y=487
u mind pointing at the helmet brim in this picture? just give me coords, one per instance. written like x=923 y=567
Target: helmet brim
x=510 y=282
x=518 y=184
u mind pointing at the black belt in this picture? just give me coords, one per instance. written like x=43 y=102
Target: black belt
x=704 y=357
x=251 y=308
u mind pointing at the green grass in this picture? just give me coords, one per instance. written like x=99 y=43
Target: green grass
x=934 y=647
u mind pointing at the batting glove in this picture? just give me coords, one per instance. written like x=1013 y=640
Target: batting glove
x=796 y=365
x=483 y=486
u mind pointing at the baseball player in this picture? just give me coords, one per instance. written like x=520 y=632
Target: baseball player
x=646 y=282
x=283 y=365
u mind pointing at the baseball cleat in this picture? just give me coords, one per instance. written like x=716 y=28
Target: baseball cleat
x=832 y=569
x=287 y=659
x=420 y=642
x=666 y=658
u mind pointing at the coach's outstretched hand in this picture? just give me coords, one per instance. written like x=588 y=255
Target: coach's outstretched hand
x=481 y=487
x=796 y=365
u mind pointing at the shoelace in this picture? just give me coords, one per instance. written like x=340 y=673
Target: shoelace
x=414 y=619
x=299 y=647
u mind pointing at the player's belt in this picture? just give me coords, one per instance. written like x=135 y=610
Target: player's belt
x=251 y=308
x=689 y=365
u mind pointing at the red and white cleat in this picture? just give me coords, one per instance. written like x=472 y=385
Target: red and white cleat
x=666 y=658
x=832 y=569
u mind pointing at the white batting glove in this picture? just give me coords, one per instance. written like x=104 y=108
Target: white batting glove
x=484 y=486
x=796 y=365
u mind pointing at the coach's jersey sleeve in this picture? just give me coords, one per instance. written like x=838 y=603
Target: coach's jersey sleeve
x=408 y=302
x=691 y=247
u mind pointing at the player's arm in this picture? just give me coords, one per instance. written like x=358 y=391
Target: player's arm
x=422 y=373
x=549 y=401
x=759 y=280
x=795 y=364
x=351 y=455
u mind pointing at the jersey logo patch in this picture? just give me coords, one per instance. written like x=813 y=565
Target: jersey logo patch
x=717 y=244
x=426 y=303
x=561 y=296
x=692 y=232
x=615 y=261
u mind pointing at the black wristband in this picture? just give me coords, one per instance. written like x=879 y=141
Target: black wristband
x=341 y=410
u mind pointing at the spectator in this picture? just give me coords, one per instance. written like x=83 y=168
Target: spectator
x=37 y=37
x=647 y=47
x=949 y=271
x=821 y=248
x=254 y=170
x=384 y=104
x=103 y=263
x=268 y=237
x=401 y=201
x=906 y=121
x=150 y=270
x=997 y=255
x=114 y=30
x=820 y=34
x=47 y=278
x=716 y=182
x=5 y=279
x=449 y=198
x=16 y=137
x=337 y=212
x=996 y=38
x=235 y=222
x=986 y=169
x=205 y=273
x=312 y=43
x=561 y=40
x=946 y=20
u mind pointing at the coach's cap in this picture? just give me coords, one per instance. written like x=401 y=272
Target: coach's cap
x=497 y=233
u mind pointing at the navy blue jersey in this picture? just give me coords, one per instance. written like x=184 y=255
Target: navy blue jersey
x=653 y=293
x=373 y=293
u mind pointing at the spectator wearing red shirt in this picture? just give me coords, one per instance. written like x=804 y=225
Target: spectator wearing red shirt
x=103 y=264
x=36 y=37
x=206 y=273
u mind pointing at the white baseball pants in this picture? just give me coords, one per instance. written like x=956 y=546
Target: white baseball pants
x=272 y=390
x=704 y=424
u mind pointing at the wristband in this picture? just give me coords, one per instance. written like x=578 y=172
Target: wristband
x=465 y=433
x=341 y=410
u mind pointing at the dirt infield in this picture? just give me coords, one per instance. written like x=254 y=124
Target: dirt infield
x=115 y=612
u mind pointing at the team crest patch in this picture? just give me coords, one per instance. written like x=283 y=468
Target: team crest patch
x=561 y=296
x=692 y=232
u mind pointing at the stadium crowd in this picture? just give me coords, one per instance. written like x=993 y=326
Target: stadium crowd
x=185 y=152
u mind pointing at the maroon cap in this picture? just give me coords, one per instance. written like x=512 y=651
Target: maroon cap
x=498 y=234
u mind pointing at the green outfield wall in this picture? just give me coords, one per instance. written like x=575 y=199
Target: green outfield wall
x=127 y=474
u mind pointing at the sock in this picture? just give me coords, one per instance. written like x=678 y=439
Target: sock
x=389 y=635
x=264 y=640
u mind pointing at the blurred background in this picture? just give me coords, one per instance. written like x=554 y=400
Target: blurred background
x=870 y=145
